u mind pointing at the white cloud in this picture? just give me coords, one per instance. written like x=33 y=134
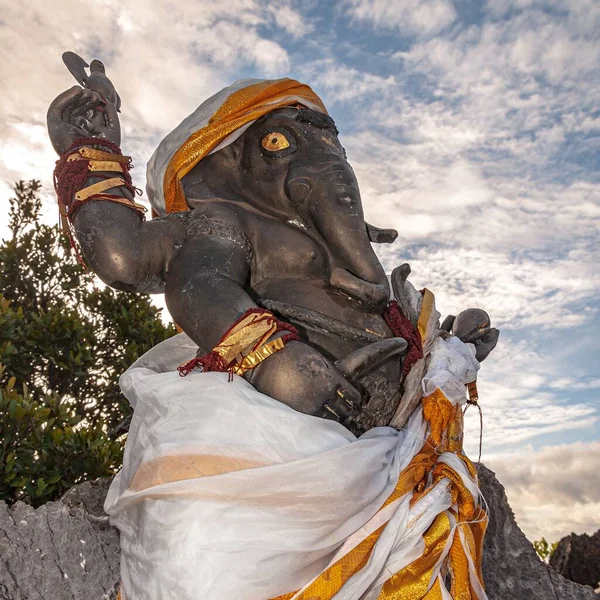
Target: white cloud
x=517 y=290
x=551 y=491
x=340 y=83
x=522 y=84
x=567 y=383
x=163 y=58
x=520 y=400
x=288 y=19
x=408 y=16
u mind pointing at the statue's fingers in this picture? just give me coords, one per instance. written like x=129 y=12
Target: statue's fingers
x=62 y=132
x=63 y=103
x=113 y=127
x=491 y=336
x=88 y=100
x=349 y=400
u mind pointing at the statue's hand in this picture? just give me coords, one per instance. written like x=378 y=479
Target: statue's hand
x=473 y=326
x=81 y=112
x=304 y=379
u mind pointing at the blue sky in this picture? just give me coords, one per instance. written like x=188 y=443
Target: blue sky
x=474 y=129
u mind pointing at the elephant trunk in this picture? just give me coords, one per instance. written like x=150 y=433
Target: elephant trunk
x=326 y=194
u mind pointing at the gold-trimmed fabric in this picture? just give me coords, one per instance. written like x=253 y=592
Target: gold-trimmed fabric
x=105 y=165
x=240 y=108
x=246 y=342
x=448 y=546
x=427 y=308
x=98 y=165
x=117 y=200
x=94 y=154
x=244 y=346
x=98 y=188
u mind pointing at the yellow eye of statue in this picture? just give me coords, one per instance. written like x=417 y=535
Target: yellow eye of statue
x=275 y=141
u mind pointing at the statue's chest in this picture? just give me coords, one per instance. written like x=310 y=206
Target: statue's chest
x=282 y=252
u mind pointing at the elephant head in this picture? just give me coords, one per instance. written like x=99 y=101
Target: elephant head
x=290 y=165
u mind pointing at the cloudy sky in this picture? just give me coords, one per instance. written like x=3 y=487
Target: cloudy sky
x=474 y=129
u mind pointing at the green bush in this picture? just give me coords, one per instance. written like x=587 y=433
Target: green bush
x=64 y=341
x=544 y=549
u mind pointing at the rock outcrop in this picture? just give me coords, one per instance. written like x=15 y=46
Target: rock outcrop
x=66 y=550
x=577 y=557
x=511 y=568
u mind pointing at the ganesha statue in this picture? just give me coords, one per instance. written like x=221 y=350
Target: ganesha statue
x=302 y=436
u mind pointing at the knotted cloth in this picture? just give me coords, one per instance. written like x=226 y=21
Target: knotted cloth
x=216 y=123
x=226 y=493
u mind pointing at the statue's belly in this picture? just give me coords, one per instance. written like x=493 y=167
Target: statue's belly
x=331 y=320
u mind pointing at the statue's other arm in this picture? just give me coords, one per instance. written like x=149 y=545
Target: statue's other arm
x=206 y=278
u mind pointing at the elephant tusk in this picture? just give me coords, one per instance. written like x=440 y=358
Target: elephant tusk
x=381 y=236
x=371 y=294
x=365 y=359
x=448 y=323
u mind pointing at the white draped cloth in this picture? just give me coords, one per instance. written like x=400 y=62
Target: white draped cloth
x=226 y=493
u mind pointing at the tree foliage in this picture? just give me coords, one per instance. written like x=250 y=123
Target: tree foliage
x=64 y=341
x=544 y=549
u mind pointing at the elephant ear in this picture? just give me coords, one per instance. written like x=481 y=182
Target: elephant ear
x=209 y=179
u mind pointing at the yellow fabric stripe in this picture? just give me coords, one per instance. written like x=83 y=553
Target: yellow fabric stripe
x=426 y=308
x=461 y=587
x=434 y=593
x=98 y=188
x=105 y=165
x=437 y=411
x=242 y=107
x=257 y=356
x=102 y=155
x=412 y=582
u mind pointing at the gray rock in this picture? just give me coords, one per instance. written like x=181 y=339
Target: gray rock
x=66 y=550
x=511 y=568
x=577 y=557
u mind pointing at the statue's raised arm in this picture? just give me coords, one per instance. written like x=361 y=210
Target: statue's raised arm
x=95 y=192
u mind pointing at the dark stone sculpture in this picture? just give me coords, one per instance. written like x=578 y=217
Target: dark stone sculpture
x=278 y=228
x=577 y=557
